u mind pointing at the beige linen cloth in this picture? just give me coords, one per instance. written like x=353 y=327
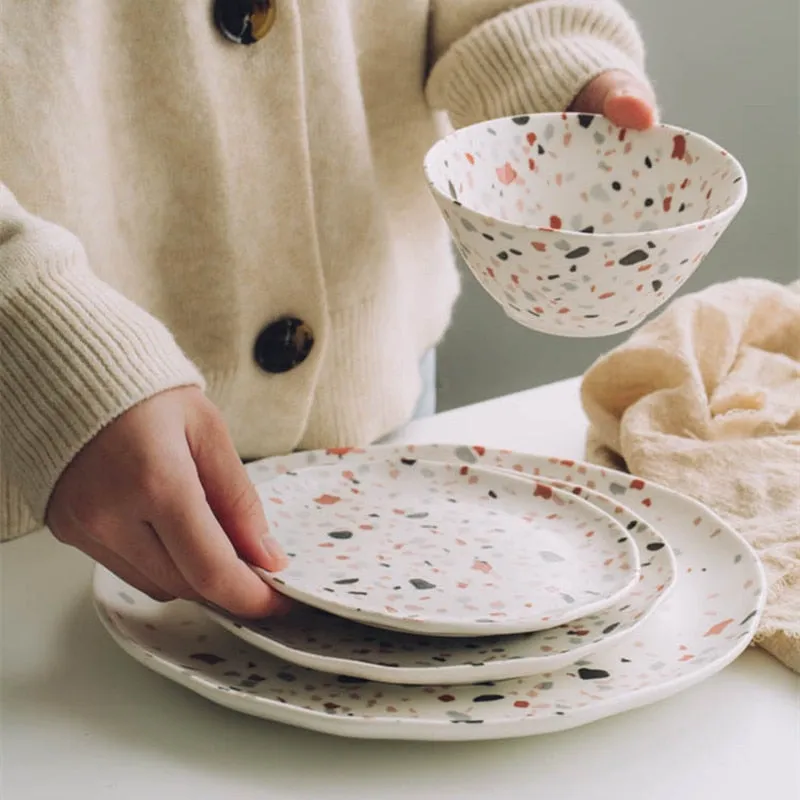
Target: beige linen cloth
x=705 y=399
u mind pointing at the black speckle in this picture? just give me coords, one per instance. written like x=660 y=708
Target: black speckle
x=409 y=462
x=616 y=186
x=516 y=252
x=585 y=120
x=653 y=546
x=467 y=721
x=502 y=255
x=573 y=268
x=488 y=237
x=452 y=190
x=286 y=676
x=588 y=674
x=610 y=628
x=349 y=679
x=553 y=277
x=207 y=658
x=492 y=494
x=656 y=285
x=648 y=162
x=748 y=618
x=417 y=515
x=681 y=207
x=591 y=316
x=736 y=180
x=625 y=660
x=632 y=524
x=685 y=261
x=420 y=583
x=648 y=202
x=578 y=252
x=634 y=257
x=346 y=581
x=256 y=678
x=487 y=698
x=341 y=534
x=620 y=324
x=360 y=594
x=540 y=150
x=523 y=120
x=588 y=229
x=651 y=245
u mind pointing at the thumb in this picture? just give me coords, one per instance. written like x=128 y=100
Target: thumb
x=230 y=493
x=621 y=98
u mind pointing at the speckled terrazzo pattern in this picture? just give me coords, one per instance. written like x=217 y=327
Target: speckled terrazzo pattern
x=450 y=550
x=579 y=228
x=708 y=619
x=318 y=640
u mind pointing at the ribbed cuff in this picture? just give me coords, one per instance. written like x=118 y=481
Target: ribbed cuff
x=534 y=59
x=74 y=354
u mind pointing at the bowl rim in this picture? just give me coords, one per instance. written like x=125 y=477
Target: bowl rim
x=730 y=210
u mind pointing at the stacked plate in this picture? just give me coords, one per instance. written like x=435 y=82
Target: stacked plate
x=454 y=592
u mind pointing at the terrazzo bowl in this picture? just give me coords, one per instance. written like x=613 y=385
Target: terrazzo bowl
x=579 y=228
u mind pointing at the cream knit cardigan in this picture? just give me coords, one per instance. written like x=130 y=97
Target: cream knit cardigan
x=166 y=193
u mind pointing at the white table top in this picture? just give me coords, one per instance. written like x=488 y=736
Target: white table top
x=82 y=720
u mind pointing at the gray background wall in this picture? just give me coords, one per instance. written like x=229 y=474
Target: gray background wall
x=725 y=68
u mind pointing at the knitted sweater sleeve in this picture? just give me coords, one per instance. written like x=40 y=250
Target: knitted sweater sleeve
x=74 y=353
x=497 y=58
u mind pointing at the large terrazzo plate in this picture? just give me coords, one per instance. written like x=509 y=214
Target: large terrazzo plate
x=444 y=549
x=318 y=640
x=710 y=616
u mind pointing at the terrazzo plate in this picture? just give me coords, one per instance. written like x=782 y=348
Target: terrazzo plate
x=709 y=618
x=443 y=549
x=312 y=638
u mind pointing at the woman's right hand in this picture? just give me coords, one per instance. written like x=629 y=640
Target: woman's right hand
x=161 y=498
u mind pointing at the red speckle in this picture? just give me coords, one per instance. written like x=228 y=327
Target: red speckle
x=563 y=311
x=470 y=158
x=446 y=698
x=684 y=183
x=490 y=272
x=506 y=174
x=555 y=222
x=325 y=544
x=623 y=132
x=339 y=451
x=590 y=534
x=667 y=203
x=687 y=657
x=647 y=502
x=637 y=483
x=567 y=139
x=482 y=566
x=531 y=164
x=640 y=287
x=276 y=500
x=606 y=295
x=679 y=147
x=644 y=267
x=463 y=471
x=540 y=246
x=563 y=116
x=542 y=490
x=342 y=558
x=716 y=630
x=327 y=499
x=609 y=263
x=531 y=137
x=515 y=280
x=521 y=704
x=708 y=194
x=480 y=450
x=365 y=527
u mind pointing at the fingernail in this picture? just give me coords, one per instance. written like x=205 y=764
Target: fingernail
x=275 y=552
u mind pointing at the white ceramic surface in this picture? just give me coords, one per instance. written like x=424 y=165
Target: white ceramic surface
x=318 y=640
x=579 y=228
x=446 y=550
x=708 y=619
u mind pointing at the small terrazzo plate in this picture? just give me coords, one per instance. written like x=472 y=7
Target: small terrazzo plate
x=577 y=227
x=318 y=640
x=443 y=549
x=708 y=619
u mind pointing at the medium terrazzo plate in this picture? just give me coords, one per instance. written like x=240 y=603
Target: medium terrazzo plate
x=433 y=548
x=709 y=617
x=318 y=640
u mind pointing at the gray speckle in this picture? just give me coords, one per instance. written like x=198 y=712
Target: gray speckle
x=570 y=287
x=127 y=598
x=562 y=244
x=599 y=138
x=468 y=225
x=549 y=131
x=550 y=556
x=599 y=193
x=617 y=488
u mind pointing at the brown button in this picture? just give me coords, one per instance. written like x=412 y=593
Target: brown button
x=244 y=21
x=283 y=344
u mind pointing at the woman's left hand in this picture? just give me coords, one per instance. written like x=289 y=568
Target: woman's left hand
x=621 y=98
